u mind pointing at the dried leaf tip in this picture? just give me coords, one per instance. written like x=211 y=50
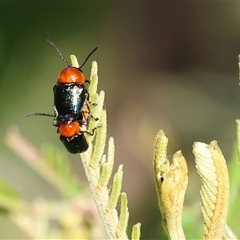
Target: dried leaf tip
x=160 y=148
x=171 y=183
x=212 y=168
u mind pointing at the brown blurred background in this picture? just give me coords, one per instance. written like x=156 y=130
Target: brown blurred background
x=163 y=65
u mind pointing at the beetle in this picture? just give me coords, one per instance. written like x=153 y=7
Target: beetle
x=71 y=106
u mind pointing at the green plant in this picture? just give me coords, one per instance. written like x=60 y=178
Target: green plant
x=75 y=214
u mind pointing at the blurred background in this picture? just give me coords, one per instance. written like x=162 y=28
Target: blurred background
x=163 y=65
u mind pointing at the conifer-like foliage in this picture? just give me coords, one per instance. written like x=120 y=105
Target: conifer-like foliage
x=75 y=215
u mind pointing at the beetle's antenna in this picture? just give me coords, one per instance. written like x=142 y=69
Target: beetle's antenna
x=88 y=56
x=59 y=52
x=39 y=114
